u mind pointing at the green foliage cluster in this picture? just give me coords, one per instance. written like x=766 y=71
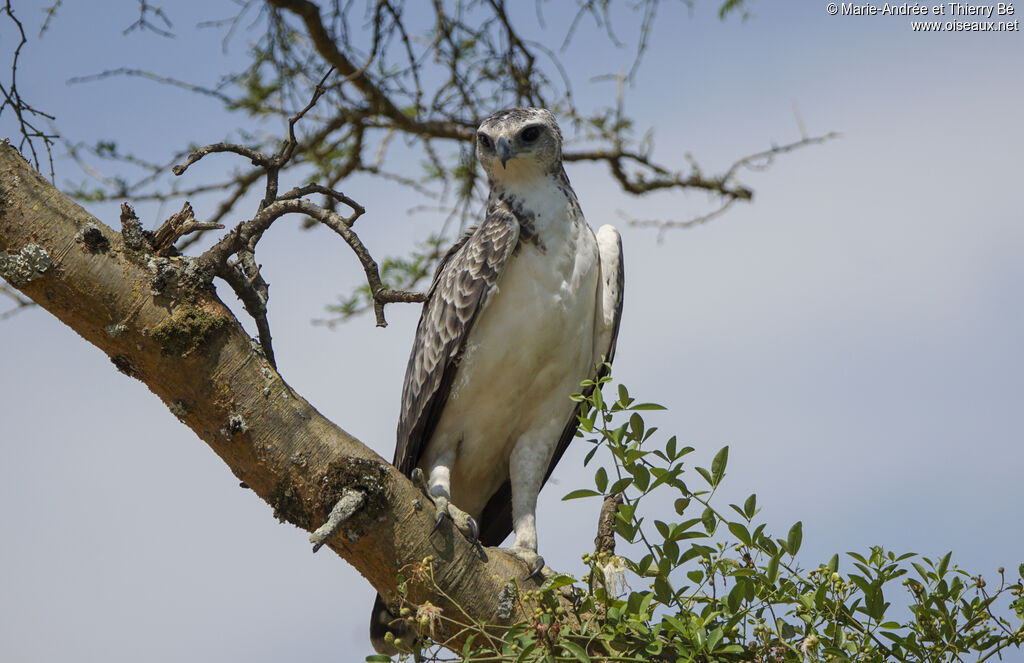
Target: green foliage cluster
x=720 y=587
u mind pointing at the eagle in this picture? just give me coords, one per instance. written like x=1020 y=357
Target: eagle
x=522 y=309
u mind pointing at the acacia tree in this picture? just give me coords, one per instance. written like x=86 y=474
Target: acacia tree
x=349 y=81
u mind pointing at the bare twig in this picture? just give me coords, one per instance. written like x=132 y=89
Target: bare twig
x=143 y=23
x=723 y=186
x=177 y=226
x=20 y=303
x=309 y=12
x=253 y=293
x=257 y=158
x=25 y=112
x=165 y=80
x=244 y=232
x=664 y=225
x=761 y=160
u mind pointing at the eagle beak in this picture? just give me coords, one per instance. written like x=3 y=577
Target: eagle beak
x=504 y=151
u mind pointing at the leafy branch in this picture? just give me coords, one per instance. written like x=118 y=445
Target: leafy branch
x=721 y=588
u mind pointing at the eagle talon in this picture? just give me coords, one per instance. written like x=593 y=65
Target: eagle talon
x=533 y=561
x=537 y=570
x=440 y=519
x=420 y=481
x=462 y=520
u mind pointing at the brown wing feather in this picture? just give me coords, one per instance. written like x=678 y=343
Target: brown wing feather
x=496 y=518
x=462 y=283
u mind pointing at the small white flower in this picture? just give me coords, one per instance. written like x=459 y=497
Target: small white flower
x=615 y=576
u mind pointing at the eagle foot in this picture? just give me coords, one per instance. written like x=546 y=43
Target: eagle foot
x=460 y=519
x=533 y=561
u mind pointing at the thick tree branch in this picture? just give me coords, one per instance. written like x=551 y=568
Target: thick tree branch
x=188 y=349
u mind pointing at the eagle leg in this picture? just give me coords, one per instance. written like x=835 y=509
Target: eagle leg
x=462 y=520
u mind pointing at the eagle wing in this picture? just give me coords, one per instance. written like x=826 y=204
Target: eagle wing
x=462 y=284
x=496 y=518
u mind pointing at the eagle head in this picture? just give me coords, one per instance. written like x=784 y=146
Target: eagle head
x=519 y=142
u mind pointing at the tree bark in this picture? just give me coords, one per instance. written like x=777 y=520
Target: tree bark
x=159 y=324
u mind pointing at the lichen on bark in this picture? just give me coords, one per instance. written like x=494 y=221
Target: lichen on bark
x=28 y=264
x=187 y=330
x=287 y=503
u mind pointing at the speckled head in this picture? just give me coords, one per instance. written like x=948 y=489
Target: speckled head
x=519 y=142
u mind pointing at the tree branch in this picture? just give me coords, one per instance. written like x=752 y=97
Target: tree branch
x=379 y=101
x=187 y=348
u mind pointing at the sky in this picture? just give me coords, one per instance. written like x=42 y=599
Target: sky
x=853 y=334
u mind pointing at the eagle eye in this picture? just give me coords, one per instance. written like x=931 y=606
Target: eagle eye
x=484 y=141
x=530 y=134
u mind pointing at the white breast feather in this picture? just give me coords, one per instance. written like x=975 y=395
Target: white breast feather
x=528 y=351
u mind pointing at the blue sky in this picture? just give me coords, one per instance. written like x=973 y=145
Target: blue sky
x=854 y=334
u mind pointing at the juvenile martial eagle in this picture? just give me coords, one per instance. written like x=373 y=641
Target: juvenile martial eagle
x=521 y=310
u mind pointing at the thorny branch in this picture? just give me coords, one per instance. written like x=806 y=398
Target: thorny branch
x=26 y=114
x=145 y=23
x=724 y=185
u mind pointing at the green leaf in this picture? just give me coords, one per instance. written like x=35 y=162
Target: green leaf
x=641 y=477
x=750 y=506
x=620 y=485
x=378 y=658
x=582 y=492
x=682 y=503
x=695 y=576
x=636 y=426
x=707 y=475
x=714 y=638
x=624 y=395
x=709 y=520
x=670 y=448
x=943 y=564
x=795 y=537
x=575 y=650
x=601 y=479
x=718 y=465
x=734 y=598
x=670 y=550
x=662 y=590
x=741 y=533
x=773 y=569
x=527 y=650
x=557 y=582
x=647 y=406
